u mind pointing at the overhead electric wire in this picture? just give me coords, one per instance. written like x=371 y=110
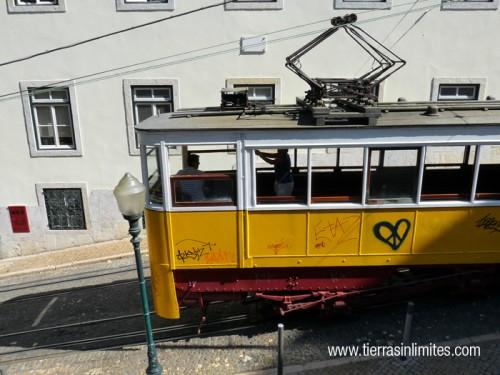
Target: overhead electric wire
x=102 y=36
x=14 y=94
x=411 y=27
x=392 y=31
x=400 y=20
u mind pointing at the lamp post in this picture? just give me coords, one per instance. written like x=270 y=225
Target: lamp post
x=130 y=194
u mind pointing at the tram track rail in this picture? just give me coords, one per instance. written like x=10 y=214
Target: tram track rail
x=77 y=277
x=229 y=324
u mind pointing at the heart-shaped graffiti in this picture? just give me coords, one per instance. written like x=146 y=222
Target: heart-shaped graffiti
x=394 y=238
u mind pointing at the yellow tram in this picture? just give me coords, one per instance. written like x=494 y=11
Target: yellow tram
x=375 y=188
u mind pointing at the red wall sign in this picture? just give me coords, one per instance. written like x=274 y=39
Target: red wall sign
x=19 y=219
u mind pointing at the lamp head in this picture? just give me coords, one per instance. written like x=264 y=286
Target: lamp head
x=130 y=194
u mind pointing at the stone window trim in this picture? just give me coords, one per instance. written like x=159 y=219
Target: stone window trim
x=469 y=5
x=231 y=82
x=13 y=7
x=29 y=121
x=123 y=5
x=39 y=187
x=436 y=82
x=255 y=5
x=129 y=109
x=349 y=4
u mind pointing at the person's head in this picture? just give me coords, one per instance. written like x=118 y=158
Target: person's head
x=282 y=151
x=193 y=160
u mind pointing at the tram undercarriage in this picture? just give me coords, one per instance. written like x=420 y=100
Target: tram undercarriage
x=328 y=289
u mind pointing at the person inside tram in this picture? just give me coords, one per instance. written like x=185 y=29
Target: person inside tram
x=191 y=189
x=283 y=178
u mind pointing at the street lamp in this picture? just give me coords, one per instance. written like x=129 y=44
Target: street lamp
x=130 y=194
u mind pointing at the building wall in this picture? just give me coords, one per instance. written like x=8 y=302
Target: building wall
x=201 y=52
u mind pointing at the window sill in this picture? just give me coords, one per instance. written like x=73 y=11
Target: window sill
x=122 y=6
x=341 y=4
x=255 y=5
x=55 y=153
x=469 y=5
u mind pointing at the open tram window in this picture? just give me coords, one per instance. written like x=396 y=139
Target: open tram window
x=337 y=175
x=393 y=175
x=488 y=181
x=154 y=176
x=448 y=172
x=281 y=175
x=205 y=175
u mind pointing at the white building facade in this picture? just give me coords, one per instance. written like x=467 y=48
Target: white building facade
x=68 y=116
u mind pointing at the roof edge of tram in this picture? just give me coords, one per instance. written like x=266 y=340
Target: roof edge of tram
x=275 y=116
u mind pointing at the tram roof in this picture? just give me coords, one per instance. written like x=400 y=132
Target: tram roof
x=293 y=117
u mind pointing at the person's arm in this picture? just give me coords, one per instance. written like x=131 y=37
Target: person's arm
x=267 y=157
x=267 y=154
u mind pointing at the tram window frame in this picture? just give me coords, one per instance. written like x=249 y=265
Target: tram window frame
x=449 y=181
x=300 y=175
x=384 y=192
x=479 y=193
x=337 y=170
x=155 y=189
x=210 y=180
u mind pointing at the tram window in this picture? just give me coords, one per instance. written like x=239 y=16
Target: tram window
x=448 y=173
x=206 y=177
x=393 y=175
x=488 y=182
x=337 y=175
x=279 y=183
x=154 y=176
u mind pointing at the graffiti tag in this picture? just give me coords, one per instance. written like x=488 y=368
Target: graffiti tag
x=393 y=235
x=338 y=231
x=276 y=247
x=192 y=249
x=489 y=223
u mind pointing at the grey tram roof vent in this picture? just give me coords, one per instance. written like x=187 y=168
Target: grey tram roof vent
x=432 y=110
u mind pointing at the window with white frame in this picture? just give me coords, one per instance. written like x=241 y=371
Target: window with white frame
x=254 y=5
x=362 y=4
x=144 y=5
x=144 y=98
x=260 y=90
x=469 y=4
x=458 y=92
x=458 y=89
x=259 y=94
x=35 y=6
x=150 y=101
x=51 y=121
x=51 y=111
x=37 y=2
